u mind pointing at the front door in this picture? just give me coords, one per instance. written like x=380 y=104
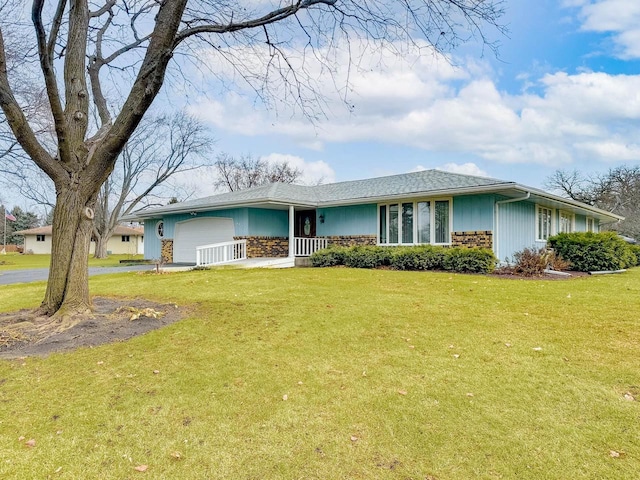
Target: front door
x=305 y=223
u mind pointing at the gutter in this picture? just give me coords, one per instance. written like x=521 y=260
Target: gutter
x=496 y=236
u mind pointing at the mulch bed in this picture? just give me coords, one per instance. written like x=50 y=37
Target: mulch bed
x=22 y=333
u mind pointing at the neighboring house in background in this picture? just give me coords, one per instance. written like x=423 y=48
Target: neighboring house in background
x=426 y=207
x=125 y=240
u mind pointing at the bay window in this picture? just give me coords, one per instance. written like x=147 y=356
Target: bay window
x=410 y=223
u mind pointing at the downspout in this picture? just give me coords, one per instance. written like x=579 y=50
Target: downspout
x=496 y=232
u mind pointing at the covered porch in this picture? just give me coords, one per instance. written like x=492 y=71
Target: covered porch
x=301 y=242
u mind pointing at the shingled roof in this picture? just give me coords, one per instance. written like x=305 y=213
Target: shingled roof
x=426 y=182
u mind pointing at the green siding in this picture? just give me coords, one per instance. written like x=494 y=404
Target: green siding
x=151 y=240
x=473 y=212
x=350 y=220
x=268 y=223
x=516 y=229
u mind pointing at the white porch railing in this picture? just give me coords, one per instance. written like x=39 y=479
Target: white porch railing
x=219 y=253
x=306 y=246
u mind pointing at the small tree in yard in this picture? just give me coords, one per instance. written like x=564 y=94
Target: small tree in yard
x=85 y=48
x=24 y=220
x=161 y=147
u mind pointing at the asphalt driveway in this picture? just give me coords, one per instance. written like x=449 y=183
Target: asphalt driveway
x=8 y=277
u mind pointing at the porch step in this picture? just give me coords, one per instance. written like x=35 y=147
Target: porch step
x=303 y=262
x=285 y=262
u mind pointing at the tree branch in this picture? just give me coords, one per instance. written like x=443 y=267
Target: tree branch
x=19 y=124
x=46 y=65
x=271 y=17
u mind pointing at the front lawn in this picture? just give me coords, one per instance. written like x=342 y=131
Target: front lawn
x=339 y=374
x=16 y=261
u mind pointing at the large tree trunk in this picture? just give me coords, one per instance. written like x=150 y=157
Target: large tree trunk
x=101 y=246
x=68 y=285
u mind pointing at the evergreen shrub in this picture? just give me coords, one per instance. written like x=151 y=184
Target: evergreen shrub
x=591 y=252
x=420 y=257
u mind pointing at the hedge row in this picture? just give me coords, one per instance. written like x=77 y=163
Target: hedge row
x=592 y=252
x=421 y=257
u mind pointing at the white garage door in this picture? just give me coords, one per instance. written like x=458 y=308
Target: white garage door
x=200 y=231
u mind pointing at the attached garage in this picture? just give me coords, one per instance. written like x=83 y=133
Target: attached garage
x=197 y=232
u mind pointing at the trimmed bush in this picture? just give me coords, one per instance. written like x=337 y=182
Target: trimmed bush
x=469 y=260
x=635 y=249
x=423 y=257
x=591 y=252
x=420 y=257
x=367 y=257
x=328 y=257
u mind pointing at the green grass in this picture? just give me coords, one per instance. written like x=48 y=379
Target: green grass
x=338 y=343
x=16 y=261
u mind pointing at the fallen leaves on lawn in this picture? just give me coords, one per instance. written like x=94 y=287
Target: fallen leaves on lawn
x=628 y=396
x=402 y=392
x=141 y=468
x=616 y=454
x=177 y=455
x=30 y=443
x=137 y=313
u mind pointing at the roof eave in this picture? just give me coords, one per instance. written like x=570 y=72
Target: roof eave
x=574 y=203
x=157 y=213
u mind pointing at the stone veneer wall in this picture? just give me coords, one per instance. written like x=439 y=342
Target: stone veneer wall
x=480 y=238
x=166 y=250
x=351 y=240
x=271 y=247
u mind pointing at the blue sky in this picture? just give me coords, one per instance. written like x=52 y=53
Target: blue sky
x=564 y=93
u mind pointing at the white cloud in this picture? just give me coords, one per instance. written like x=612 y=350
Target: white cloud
x=468 y=168
x=312 y=172
x=428 y=104
x=620 y=18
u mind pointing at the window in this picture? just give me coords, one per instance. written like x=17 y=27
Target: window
x=39 y=238
x=442 y=221
x=407 y=223
x=383 y=224
x=423 y=222
x=591 y=224
x=544 y=223
x=160 y=229
x=126 y=238
x=566 y=222
x=411 y=223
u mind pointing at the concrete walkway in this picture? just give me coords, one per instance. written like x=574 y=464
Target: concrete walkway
x=8 y=277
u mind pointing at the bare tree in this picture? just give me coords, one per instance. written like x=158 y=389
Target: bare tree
x=160 y=148
x=245 y=172
x=84 y=47
x=617 y=191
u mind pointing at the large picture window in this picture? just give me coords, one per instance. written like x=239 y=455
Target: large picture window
x=410 y=223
